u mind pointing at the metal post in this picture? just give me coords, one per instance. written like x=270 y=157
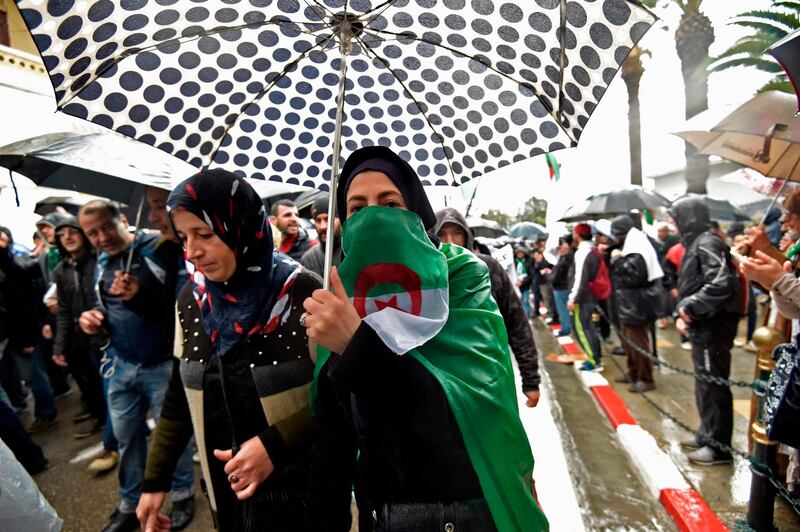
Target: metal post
x=345 y=45
x=761 y=506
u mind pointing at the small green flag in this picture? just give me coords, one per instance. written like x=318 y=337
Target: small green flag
x=553 y=166
x=460 y=339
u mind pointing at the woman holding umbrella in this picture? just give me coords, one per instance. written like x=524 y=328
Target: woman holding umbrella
x=245 y=370
x=414 y=399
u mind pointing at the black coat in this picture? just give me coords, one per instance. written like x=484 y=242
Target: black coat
x=23 y=292
x=634 y=296
x=559 y=277
x=520 y=336
x=394 y=411
x=76 y=294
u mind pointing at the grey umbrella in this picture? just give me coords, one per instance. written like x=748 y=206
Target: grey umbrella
x=615 y=202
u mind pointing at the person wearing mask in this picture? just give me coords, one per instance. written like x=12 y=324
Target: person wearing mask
x=74 y=278
x=452 y=228
x=294 y=239
x=561 y=282
x=581 y=302
x=417 y=407
x=524 y=279
x=25 y=288
x=136 y=311
x=635 y=277
x=245 y=368
x=314 y=258
x=706 y=288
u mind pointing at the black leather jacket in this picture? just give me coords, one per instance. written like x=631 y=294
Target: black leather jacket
x=706 y=283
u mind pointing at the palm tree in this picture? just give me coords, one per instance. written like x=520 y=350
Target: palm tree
x=768 y=27
x=693 y=38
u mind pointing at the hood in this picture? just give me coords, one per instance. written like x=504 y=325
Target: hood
x=450 y=215
x=691 y=216
x=620 y=226
x=67 y=220
x=54 y=219
x=7 y=232
x=773 y=215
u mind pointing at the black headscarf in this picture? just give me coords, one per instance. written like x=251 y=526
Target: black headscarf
x=382 y=159
x=254 y=299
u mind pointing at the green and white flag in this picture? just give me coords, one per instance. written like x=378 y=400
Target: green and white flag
x=441 y=313
x=405 y=303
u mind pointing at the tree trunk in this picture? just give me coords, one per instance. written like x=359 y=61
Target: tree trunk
x=632 y=70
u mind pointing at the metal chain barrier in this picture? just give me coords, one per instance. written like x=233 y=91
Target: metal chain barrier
x=755 y=465
x=719 y=381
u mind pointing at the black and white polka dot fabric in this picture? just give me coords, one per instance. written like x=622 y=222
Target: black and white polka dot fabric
x=457 y=87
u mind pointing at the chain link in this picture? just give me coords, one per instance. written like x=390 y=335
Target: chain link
x=719 y=381
x=755 y=465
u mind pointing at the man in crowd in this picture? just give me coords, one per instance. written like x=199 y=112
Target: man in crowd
x=136 y=310
x=707 y=286
x=74 y=278
x=581 y=302
x=543 y=293
x=451 y=227
x=524 y=278
x=294 y=239
x=636 y=276
x=314 y=258
x=25 y=288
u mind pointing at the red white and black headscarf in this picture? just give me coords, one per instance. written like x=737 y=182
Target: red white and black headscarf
x=255 y=300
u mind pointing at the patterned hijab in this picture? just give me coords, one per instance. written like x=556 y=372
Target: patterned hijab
x=255 y=299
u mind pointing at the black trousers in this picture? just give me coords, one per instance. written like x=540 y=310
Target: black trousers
x=14 y=435
x=711 y=355
x=89 y=382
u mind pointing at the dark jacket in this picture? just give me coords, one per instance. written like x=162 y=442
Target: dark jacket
x=559 y=277
x=772 y=223
x=364 y=395
x=520 y=336
x=706 y=283
x=314 y=258
x=265 y=394
x=631 y=294
x=75 y=290
x=140 y=329
x=588 y=272
x=23 y=292
x=297 y=245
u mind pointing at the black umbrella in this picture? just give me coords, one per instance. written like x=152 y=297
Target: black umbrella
x=71 y=204
x=787 y=52
x=615 y=202
x=721 y=210
x=101 y=164
x=486 y=228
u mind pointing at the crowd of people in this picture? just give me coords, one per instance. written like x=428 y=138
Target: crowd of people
x=215 y=325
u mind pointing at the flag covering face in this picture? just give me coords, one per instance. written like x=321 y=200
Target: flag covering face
x=398 y=285
x=404 y=286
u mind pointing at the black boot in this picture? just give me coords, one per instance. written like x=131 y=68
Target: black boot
x=182 y=513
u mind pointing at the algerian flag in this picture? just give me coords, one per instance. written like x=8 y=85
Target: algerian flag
x=404 y=302
x=457 y=334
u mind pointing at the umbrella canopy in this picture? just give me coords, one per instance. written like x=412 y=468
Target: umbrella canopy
x=101 y=164
x=71 y=204
x=721 y=210
x=762 y=134
x=528 y=231
x=787 y=52
x=456 y=88
x=486 y=228
x=615 y=202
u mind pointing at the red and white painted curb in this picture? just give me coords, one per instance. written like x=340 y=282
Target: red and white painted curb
x=660 y=474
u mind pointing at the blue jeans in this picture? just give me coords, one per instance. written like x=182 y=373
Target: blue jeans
x=526 y=301
x=109 y=441
x=32 y=370
x=561 y=297
x=132 y=391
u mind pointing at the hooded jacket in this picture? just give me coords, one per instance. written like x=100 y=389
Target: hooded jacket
x=23 y=291
x=75 y=289
x=520 y=337
x=706 y=282
x=49 y=260
x=633 y=293
x=772 y=221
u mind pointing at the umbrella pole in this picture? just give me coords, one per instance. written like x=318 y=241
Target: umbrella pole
x=133 y=244
x=345 y=45
x=774 y=199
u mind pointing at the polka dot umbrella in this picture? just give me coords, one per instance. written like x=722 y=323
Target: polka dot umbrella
x=273 y=88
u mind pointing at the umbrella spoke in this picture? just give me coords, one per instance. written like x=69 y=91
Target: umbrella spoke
x=263 y=92
x=131 y=52
x=385 y=62
x=524 y=84
x=378 y=10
